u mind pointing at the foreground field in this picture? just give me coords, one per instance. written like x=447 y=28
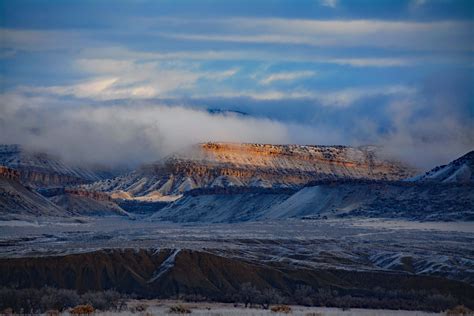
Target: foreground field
x=162 y=307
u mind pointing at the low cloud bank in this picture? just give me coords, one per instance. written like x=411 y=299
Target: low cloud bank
x=422 y=131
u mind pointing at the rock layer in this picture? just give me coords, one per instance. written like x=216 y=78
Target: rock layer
x=41 y=170
x=256 y=165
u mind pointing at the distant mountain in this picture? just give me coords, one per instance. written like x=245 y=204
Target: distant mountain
x=460 y=170
x=43 y=170
x=227 y=112
x=17 y=201
x=212 y=165
x=20 y=202
x=444 y=194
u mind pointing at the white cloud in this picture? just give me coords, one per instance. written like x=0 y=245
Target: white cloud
x=286 y=76
x=373 y=62
x=417 y=3
x=128 y=78
x=331 y=98
x=438 y=35
x=329 y=3
x=127 y=134
x=42 y=40
x=104 y=53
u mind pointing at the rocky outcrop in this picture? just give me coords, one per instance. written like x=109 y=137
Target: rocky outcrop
x=41 y=170
x=98 y=196
x=254 y=165
x=10 y=174
x=40 y=179
x=87 y=204
x=18 y=201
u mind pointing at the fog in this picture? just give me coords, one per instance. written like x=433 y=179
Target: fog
x=130 y=135
x=423 y=131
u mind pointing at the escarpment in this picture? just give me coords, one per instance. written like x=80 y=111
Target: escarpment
x=9 y=174
x=40 y=170
x=212 y=165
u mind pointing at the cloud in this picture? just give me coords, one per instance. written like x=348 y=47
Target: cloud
x=43 y=40
x=417 y=3
x=287 y=76
x=329 y=3
x=433 y=36
x=135 y=79
x=425 y=127
x=373 y=62
x=252 y=55
x=330 y=98
x=117 y=135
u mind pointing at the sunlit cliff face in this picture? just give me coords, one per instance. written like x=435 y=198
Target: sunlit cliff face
x=224 y=165
x=330 y=161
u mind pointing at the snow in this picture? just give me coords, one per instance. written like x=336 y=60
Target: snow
x=342 y=244
x=165 y=266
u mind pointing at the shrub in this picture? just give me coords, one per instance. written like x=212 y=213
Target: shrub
x=248 y=293
x=141 y=307
x=281 y=309
x=179 y=309
x=303 y=295
x=269 y=296
x=459 y=310
x=194 y=298
x=61 y=299
x=105 y=300
x=82 y=310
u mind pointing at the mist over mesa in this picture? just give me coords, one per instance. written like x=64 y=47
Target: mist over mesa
x=426 y=126
x=136 y=81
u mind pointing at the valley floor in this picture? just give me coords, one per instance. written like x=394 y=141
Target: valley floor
x=434 y=248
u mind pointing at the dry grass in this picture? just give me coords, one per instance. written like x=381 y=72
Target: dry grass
x=179 y=309
x=82 y=310
x=459 y=310
x=281 y=309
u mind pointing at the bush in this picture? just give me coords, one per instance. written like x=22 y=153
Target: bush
x=248 y=294
x=82 y=310
x=459 y=310
x=194 y=298
x=36 y=301
x=179 y=309
x=281 y=309
x=61 y=299
x=139 y=308
x=269 y=296
x=106 y=300
x=303 y=295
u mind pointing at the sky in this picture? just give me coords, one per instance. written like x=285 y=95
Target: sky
x=128 y=82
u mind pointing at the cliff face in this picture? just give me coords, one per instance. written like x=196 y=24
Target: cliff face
x=257 y=165
x=17 y=200
x=9 y=174
x=41 y=170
